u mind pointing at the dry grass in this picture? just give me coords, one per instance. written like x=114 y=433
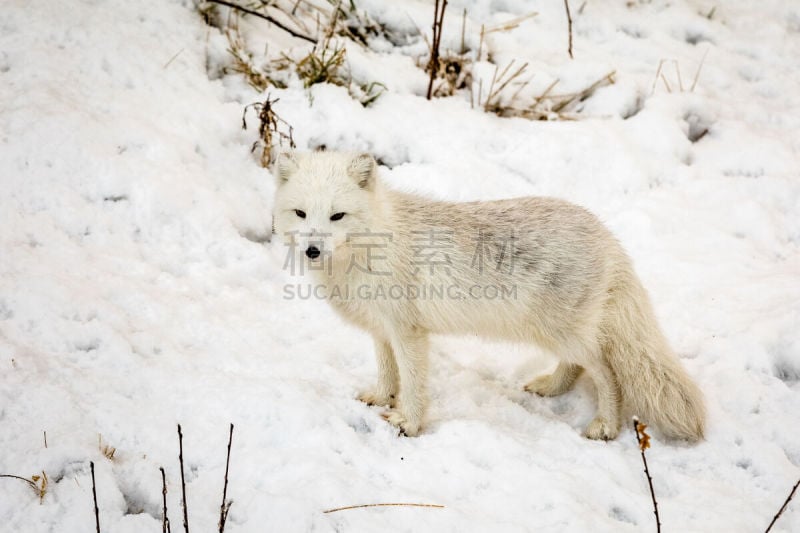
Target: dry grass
x=243 y=63
x=325 y=62
x=271 y=127
x=36 y=482
x=665 y=75
x=105 y=448
x=545 y=106
x=323 y=65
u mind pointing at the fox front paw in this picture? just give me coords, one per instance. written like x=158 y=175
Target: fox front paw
x=373 y=398
x=601 y=429
x=543 y=386
x=397 y=419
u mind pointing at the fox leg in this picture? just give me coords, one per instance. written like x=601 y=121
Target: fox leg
x=411 y=350
x=606 y=423
x=385 y=393
x=559 y=382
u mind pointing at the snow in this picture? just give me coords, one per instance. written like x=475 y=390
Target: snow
x=139 y=289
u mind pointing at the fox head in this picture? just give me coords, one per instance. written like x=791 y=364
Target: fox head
x=322 y=198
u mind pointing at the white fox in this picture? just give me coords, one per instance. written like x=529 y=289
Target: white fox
x=402 y=267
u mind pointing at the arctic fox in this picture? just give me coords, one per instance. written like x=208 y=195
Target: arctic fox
x=402 y=267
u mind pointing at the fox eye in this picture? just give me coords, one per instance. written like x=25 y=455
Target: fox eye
x=337 y=216
x=301 y=214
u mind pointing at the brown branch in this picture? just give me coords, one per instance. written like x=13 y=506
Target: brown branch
x=225 y=507
x=438 y=18
x=265 y=17
x=164 y=518
x=94 y=495
x=644 y=442
x=783 y=507
x=183 y=482
x=384 y=505
x=569 y=27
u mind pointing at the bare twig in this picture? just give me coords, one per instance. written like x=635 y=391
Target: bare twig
x=226 y=506
x=183 y=482
x=164 y=518
x=384 y=505
x=433 y=65
x=783 y=507
x=463 y=29
x=26 y=480
x=265 y=17
x=45 y=438
x=644 y=442
x=569 y=27
x=94 y=495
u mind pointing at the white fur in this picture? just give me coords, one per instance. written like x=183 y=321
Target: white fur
x=576 y=292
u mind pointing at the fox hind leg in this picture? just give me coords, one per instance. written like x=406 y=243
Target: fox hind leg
x=586 y=355
x=557 y=383
x=606 y=423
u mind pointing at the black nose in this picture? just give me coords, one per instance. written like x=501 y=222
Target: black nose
x=312 y=252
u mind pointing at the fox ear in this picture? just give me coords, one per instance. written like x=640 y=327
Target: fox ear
x=286 y=166
x=362 y=169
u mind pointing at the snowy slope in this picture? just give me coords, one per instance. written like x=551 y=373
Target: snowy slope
x=138 y=289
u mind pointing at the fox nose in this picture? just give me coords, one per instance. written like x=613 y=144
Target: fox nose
x=312 y=252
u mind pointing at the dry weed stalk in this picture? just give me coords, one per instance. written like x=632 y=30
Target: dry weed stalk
x=433 y=64
x=644 y=442
x=226 y=505
x=569 y=28
x=783 y=507
x=546 y=106
x=431 y=505
x=165 y=528
x=94 y=496
x=36 y=482
x=270 y=125
x=183 y=482
x=502 y=27
x=324 y=63
x=243 y=61
x=502 y=81
x=660 y=75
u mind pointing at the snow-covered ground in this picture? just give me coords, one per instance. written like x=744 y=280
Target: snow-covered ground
x=138 y=288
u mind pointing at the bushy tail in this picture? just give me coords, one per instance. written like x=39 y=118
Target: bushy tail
x=654 y=384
